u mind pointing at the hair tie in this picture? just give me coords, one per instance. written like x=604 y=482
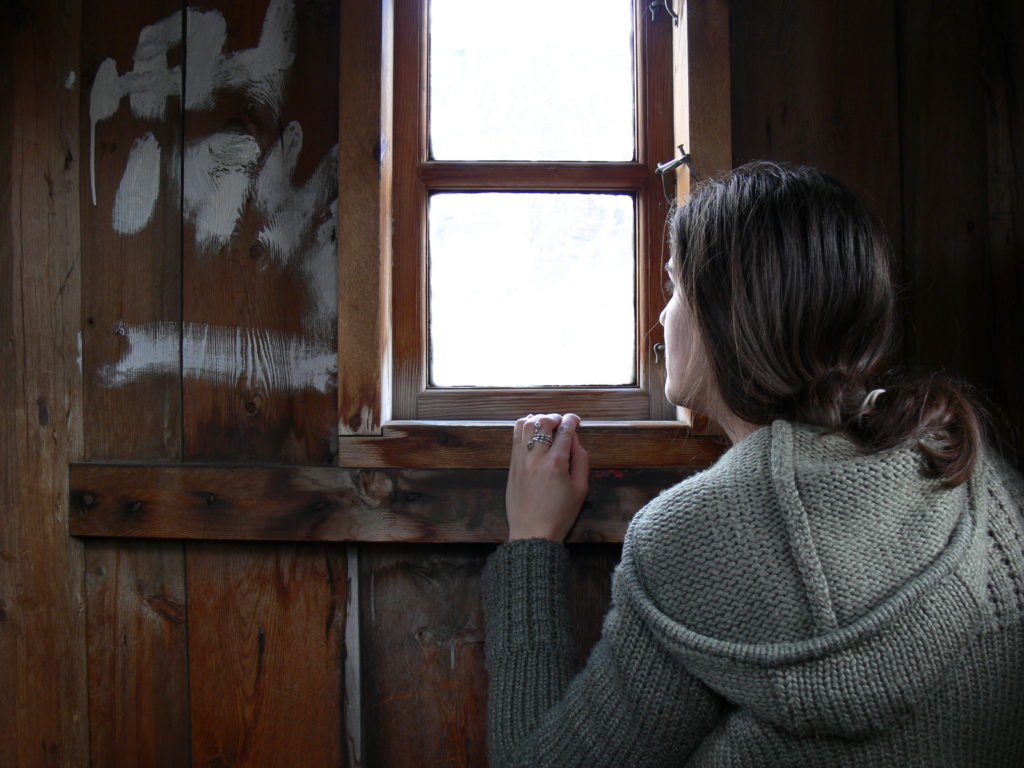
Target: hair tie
x=871 y=399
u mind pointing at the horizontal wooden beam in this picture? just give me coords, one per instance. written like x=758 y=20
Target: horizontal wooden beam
x=541 y=176
x=487 y=445
x=297 y=503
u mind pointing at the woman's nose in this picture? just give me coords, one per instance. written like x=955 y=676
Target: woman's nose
x=661 y=317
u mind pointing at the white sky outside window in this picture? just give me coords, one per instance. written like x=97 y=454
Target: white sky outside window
x=531 y=80
x=531 y=289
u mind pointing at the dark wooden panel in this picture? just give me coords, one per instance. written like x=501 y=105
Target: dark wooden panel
x=131 y=262
x=964 y=223
x=266 y=645
x=138 y=656
x=43 y=706
x=815 y=83
x=131 y=346
x=363 y=231
x=425 y=684
x=330 y=504
x=260 y=184
x=424 y=681
x=590 y=592
x=260 y=236
x=482 y=445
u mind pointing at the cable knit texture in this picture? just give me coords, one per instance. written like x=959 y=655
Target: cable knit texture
x=797 y=604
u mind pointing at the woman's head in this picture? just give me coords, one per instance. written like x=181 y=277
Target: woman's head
x=787 y=302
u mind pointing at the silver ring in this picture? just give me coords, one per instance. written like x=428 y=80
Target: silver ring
x=539 y=437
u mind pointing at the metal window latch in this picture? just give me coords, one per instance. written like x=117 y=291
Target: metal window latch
x=667 y=4
x=659 y=349
x=671 y=165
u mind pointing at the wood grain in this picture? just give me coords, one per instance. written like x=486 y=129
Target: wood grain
x=287 y=503
x=363 y=304
x=43 y=707
x=266 y=623
x=964 y=230
x=814 y=83
x=136 y=623
x=424 y=680
x=266 y=646
x=138 y=654
x=130 y=282
x=487 y=445
x=268 y=280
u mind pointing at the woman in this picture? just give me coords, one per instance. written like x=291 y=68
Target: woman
x=844 y=587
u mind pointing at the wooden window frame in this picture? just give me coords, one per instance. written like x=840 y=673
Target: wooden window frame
x=388 y=415
x=417 y=176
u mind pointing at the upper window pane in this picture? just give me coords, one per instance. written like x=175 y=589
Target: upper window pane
x=531 y=289
x=531 y=80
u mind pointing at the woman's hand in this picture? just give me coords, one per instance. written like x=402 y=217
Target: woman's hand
x=547 y=482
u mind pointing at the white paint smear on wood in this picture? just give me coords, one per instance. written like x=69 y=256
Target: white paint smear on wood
x=260 y=72
x=217 y=174
x=274 y=361
x=139 y=188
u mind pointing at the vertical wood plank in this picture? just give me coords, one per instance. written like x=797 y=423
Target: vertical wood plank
x=138 y=684
x=424 y=680
x=260 y=245
x=964 y=229
x=362 y=304
x=43 y=707
x=131 y=252
x=267 y=625
x=260 y=292
x=814 y=83
x=136 y=632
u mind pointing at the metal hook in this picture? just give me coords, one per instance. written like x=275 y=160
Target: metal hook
x=671 y=165
x=653 y=9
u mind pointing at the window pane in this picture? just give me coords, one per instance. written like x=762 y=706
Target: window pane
x=531 y=289
x=531 y=80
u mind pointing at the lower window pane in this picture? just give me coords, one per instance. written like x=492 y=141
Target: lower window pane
x=531 y=289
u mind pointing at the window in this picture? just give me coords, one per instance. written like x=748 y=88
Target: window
x=406 y=399
x=525 y=142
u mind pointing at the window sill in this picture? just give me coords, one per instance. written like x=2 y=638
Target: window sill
x=486 y=445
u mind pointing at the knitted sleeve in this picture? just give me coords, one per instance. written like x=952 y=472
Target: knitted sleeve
x=632 y=705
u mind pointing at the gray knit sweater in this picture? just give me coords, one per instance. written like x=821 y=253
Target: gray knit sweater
x=797 y=604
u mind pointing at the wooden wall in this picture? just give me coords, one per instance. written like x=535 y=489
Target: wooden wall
x=915 y=104
x=153 y=333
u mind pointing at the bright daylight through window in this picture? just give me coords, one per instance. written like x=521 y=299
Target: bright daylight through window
x=550 y=271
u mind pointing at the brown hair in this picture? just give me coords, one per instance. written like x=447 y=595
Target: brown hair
x=791 y=284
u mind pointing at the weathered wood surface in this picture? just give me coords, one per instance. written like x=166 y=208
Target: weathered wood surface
x=424 y=681
x=260 y=235
x=815 y=83
x=423 y=653
x=136 y=631
x=43 y=706
x=363 y=228
x=260 y=296
x=964 y=226
x=266 y=645
x=131 y=263
x=487 y=445
x=136 y=624
x=290 y=503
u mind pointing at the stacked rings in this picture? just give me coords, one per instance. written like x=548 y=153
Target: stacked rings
x=538 y=437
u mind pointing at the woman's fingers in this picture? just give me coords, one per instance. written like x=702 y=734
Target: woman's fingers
x=579 y=464
x=562 y=444
x=545 y=425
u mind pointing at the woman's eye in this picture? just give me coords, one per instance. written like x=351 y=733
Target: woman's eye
x=668 y=288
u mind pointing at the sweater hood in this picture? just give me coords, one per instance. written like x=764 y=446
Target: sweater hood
x=827 y=591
